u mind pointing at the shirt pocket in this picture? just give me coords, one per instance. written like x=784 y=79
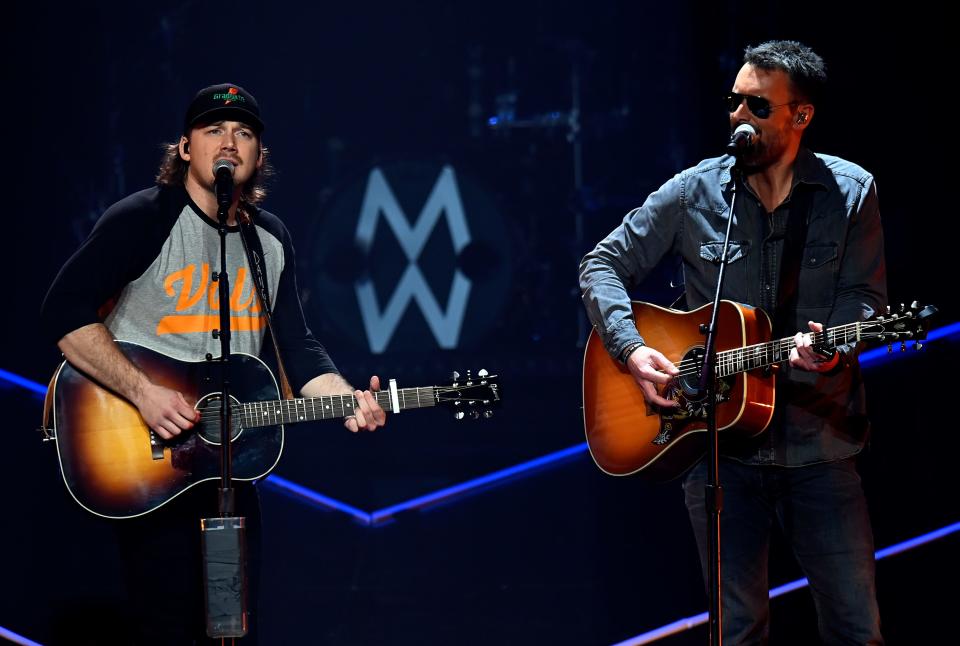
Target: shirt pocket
x=818 y=275
x=737 y=267
x=711 y=251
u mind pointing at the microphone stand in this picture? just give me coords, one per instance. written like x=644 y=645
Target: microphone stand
x=224 y=544
x=226 y=497
x=713 y=492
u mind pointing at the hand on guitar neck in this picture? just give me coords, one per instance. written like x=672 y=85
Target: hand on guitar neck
x=808 y=356
x=649 y=367
x=368 y=414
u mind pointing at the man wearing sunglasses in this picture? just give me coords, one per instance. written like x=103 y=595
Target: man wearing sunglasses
x=807 y=247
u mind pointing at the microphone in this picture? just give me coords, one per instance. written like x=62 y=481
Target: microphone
x=223 y=181
x=741 y=140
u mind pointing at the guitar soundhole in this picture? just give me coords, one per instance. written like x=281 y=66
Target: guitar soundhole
x=208 y=428
x=690 y=365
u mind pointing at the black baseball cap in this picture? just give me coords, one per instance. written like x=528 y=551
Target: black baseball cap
x=225 y=101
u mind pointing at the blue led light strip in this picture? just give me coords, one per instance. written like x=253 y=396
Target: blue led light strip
x=17 y=639
x=285 y=486
x=382 y=516
x=23 y=382
x=691 y=622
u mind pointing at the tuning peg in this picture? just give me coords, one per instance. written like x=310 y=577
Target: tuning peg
x=459 y=415
x=483 y=373
x=475 y=414
x=889 y=348
x=903 y=308
x=919 y=346
x=487 y=414
x=903 y=346
x=454 y=375
x=914 y=305
x=888 y=309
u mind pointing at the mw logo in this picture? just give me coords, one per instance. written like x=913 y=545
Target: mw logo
x=444 y=199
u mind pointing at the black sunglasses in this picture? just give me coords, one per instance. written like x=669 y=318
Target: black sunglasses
x=759 y=106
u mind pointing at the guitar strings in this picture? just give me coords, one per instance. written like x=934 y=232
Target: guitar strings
x=305 y=403
x=733 y=357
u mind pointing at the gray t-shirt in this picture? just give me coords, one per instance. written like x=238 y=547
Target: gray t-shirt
x=174 y=305
x=152 y=255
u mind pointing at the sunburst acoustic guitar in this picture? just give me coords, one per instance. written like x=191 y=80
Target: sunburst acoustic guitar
x=115 y=466
x=626 y=435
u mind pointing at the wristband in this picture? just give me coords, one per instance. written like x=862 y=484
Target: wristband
x=627 y=351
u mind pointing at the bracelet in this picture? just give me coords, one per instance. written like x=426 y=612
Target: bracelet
x=627 y=351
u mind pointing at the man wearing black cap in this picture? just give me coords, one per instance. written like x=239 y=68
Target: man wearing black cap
x=145 y=275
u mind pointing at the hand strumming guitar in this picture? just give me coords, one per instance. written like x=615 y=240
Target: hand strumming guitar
x=649 y=367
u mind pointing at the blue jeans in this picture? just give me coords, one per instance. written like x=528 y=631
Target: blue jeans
x=823 y=514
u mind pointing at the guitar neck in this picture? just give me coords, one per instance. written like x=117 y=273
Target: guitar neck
x=751 y=357
x=307 y=409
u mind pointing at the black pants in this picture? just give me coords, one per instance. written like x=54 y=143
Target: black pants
x=163 y=567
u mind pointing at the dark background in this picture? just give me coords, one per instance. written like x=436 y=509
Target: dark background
x=566 y=555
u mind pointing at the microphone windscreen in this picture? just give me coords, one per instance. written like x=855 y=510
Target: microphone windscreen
x=221 y=164
x=741 y=139
x=743 y=130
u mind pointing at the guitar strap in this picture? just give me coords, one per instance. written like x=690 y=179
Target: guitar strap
x=254 y=252
x=795 y=238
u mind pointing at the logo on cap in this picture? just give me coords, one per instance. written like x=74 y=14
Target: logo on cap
x=233 y=94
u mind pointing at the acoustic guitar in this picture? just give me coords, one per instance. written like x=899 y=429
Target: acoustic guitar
x=627 y=435
x=117 y=467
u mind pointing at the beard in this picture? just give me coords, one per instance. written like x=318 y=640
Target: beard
x=760 y=155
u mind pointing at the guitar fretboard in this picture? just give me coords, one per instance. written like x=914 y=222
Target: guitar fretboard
x=306 y=409
x=730 y=362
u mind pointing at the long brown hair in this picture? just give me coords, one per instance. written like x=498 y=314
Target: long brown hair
x=173 y=172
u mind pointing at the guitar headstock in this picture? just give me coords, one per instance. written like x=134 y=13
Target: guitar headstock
x=905 y=324
x=470 y=397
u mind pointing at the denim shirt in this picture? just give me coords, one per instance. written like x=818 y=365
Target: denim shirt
x=842 y=279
